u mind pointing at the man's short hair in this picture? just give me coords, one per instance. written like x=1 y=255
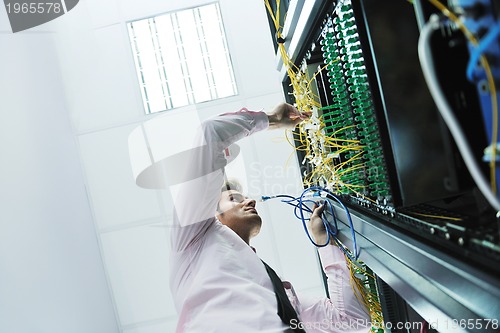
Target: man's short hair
x=231 y=184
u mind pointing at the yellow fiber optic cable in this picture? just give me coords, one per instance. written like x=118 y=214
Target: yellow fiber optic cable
x=344 y=140
x=361 y=195
x=351 y=169
x=343 y=129
x=320 y=70
x=440 y=217
x=363 y=294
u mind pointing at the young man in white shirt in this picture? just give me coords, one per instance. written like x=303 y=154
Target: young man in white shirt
x=218 y=282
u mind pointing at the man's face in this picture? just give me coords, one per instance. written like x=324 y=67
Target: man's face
x=238 y=212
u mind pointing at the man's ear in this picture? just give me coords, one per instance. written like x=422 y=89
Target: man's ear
x=219 y=214
x=218 y=210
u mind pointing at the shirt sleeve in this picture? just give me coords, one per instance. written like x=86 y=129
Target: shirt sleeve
x=201 y=173
x=342 y=312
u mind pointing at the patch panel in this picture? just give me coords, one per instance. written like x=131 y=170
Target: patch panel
x=354 y=144
x=378 y=138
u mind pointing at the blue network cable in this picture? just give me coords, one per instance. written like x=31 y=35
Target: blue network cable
x=487 y=40
x=300 y=205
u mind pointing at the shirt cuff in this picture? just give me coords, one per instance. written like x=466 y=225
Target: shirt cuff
x=260 y=117
x=261 y=120
x=330 y=254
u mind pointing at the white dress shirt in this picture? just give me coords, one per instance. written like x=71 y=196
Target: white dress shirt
x=218 y=282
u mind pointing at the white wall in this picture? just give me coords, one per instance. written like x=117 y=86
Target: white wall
x=51 y=273
x=104 y=103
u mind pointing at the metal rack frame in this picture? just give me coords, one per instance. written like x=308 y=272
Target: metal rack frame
x=445 y=290
x=440 y=287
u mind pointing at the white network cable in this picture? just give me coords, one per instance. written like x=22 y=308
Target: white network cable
x=444 y=108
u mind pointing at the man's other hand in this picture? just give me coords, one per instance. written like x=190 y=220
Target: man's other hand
x=316 y=226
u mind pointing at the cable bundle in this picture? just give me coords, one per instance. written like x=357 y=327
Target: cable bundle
x=301 y=208
x=362 y=278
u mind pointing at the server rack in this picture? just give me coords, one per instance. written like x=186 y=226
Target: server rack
x=421 y=224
